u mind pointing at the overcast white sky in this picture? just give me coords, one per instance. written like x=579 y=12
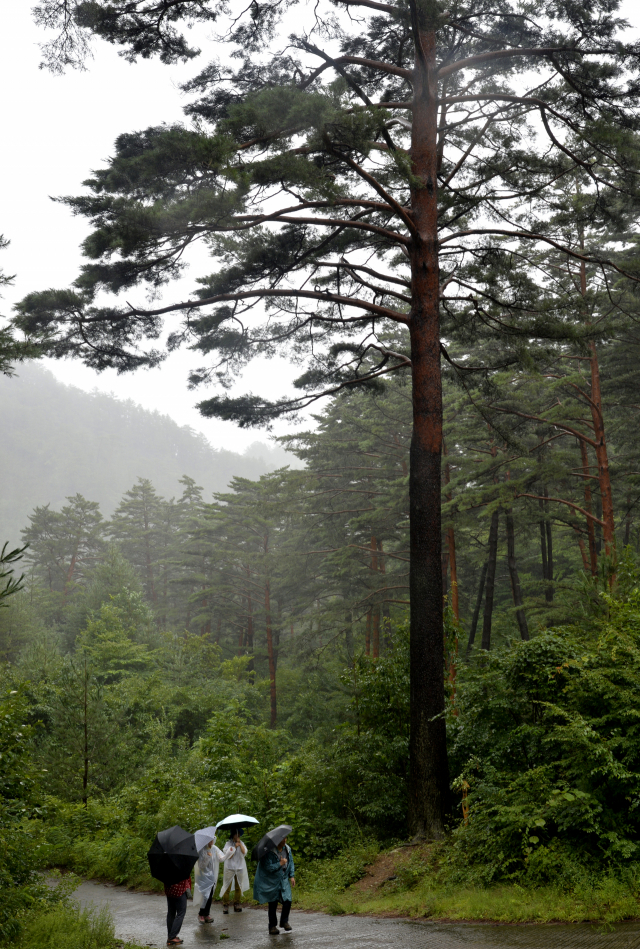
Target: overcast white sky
x=55 y=130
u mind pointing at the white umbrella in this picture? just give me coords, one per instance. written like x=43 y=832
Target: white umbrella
x=202 y=837
x=237 y=820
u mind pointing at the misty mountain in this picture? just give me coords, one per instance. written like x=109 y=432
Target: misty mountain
x=58 y=440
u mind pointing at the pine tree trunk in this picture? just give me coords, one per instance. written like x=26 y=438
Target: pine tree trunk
x=516 y=591
x=597 y=418
x=85 y=772
x=602 y=455
x=147 y=552
x=348 y=633
x=375 y=633
x=543 y=539
x=583 y=552
x=386 y=616
x=476 y=612
x=375 y=611
x=367 y=635
x=271 y=656
x=547 y=524
x=71 y=571
x=627 y=522
x=249 y=614
x=591 y=533
x=429 y=771
x=451 y=548
x=491 y=581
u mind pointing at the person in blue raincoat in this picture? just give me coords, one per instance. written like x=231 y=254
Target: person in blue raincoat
x=272 y=884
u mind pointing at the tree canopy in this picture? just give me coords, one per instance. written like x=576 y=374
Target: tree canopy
x=393 y=166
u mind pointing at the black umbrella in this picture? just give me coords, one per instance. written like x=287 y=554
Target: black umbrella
x=172 y=856
x=270 y=841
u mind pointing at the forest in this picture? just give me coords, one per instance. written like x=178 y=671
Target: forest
x=422 y=636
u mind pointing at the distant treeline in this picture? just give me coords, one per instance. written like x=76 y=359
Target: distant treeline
x=59 y=441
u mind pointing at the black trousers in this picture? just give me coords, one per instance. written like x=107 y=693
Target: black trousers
x=176 y=909
x=204 y=909
x=284 y=915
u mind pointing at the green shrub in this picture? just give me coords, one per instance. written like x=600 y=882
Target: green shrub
x=72 y=927
x=547 y=742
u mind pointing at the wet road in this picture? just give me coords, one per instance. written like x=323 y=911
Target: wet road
x=140 y=917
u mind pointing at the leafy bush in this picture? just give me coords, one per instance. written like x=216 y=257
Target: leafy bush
x=547 y=743
x=338 y=872
x=72 y=927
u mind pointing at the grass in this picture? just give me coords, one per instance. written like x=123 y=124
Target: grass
x=415 y=895
x=72 y=927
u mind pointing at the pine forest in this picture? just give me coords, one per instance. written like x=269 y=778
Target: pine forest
x=416 y=639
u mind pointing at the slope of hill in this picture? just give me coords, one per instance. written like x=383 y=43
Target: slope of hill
x=58 y=440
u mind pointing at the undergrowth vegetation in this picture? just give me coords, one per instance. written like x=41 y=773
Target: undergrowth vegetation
x=545 y=753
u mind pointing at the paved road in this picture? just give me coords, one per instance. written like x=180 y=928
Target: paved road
x=140 y=918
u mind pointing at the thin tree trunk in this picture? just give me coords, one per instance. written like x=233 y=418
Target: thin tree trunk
x=147 y=551
x=516 y=591
x=218 y=631
x=367 y=635
x=271 y=656
x=429 y=770
x=491 y=581
x=375 y=633
x=591 y=533
x=627 y=522
x=547 y=524
x=602 y=456
x=249 y=614
x=583 y=552
x=348 y=632
x=386 y=616
x=375 y=611
x=71 y=571
x=85 y=773
x=543 y=539
x=451 y=545
x=476 y=612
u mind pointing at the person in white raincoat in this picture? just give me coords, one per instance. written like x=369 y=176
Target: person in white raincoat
x=235 y=871
x=206 y=876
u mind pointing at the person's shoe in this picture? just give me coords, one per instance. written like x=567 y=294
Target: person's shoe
x=274 y=931
x=201 y=918
x=287 y=927
x=175 y=942
x=225 y=910
x=237 y=908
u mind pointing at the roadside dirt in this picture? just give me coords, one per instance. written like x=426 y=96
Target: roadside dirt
x=386 y=866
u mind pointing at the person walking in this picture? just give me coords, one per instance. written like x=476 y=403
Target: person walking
x=176 y=908
x=274 y=878
x=235 y=871
x=206 y=875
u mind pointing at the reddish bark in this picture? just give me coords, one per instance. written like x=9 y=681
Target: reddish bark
x=429 y=778
x=602 y=455
x=591 y=531
x=583 y=552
